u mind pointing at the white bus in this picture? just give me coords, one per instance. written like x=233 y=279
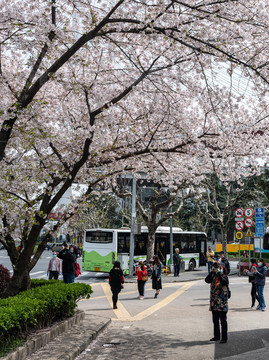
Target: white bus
x=102 y=247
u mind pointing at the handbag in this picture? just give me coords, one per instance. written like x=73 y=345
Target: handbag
x=144 y=277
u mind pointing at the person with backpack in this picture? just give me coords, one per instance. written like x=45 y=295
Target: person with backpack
x=219 y=294
x=68 y=264
x=225 y=262
x=142 y=278
x=116 y=281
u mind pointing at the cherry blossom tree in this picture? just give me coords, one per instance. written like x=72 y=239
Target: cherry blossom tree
x=156 y=210
x=92 y=88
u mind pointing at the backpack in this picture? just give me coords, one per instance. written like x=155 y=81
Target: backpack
x=77 y=270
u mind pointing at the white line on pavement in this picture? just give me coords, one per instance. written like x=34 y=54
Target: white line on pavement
x=38 y=272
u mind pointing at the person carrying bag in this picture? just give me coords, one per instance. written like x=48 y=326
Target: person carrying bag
x=142 y=278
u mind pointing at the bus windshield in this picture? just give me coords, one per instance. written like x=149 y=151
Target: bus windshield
x=99 y=237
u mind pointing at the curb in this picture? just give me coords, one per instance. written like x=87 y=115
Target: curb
x=44 y=336
x=72 y=343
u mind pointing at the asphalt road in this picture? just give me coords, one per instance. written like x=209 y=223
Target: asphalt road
x=177 y=325
x=40 y=270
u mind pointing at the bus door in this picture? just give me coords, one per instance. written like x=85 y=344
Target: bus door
x=201 y=248
x=160 y=247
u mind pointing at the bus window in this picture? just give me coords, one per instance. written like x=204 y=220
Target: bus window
x=123 y=243
x=99 y=237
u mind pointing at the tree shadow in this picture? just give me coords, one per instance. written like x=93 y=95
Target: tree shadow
x=173 y=346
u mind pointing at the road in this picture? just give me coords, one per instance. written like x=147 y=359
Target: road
x=40 y=269
x=177 y=325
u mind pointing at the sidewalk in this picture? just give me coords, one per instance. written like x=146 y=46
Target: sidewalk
x=74 y=340
x=197 y=274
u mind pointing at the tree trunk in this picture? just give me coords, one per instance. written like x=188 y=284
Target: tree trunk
x=224 y=241
x=19 y=281
x=151 y=244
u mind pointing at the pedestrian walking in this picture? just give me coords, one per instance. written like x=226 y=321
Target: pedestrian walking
x=210 y=258
x=68 y=264
x=156 y=275
x=116 y=281
x=142 y=278
x=260 y=276
x=251 y=279
x=219 y=300
x=225 y=262
x=176 y=262
x=54 y=267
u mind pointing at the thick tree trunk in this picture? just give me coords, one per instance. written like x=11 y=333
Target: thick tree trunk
x=224 y=241
x=21 y=279
x=151 y=244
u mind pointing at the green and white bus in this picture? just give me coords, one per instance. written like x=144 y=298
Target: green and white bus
x=102 y=247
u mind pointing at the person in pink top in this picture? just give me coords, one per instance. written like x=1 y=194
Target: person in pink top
x=54 y=268
x=142 y=277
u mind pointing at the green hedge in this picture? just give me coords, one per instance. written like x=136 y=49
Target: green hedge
x=47 y=301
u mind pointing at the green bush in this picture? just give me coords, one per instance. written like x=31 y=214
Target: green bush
x=38 y=307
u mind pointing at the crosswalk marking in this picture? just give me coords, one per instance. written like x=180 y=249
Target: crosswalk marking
x=37 y=272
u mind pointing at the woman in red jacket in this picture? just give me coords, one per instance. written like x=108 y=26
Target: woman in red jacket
x=142 y=277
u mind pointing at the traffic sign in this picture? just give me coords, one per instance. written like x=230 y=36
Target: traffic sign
x=239 y=225
x=259 y=214
x=248 y=222
x=259 y=222
x=248 y=233
x=248 y=212
x=239 y=219
x=239 y=235
x=239 y=212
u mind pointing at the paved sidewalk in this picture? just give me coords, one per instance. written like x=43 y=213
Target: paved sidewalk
x=197 y=274
x=75 y=340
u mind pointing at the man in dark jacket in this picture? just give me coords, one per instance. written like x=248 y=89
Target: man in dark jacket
x=225 y=262
x=68 y=265
x=176 y=262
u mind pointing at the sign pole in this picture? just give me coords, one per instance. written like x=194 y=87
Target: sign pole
x=249 y=251
x=260 y=247
x=239 y=259
x=171 y=241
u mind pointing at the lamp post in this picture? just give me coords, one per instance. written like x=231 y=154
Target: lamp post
x=133 y=216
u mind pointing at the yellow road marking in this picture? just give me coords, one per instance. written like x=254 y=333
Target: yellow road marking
x=162 y=303
x=131 y=292
x=123 y=315
x=121 y=312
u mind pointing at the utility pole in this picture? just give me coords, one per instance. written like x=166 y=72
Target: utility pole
x=131 y=254
x=171 y=242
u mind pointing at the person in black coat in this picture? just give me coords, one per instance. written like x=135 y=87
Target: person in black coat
x=68 y=264
x=116 y=279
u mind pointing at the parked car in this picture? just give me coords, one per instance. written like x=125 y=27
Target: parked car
x=56 y=247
